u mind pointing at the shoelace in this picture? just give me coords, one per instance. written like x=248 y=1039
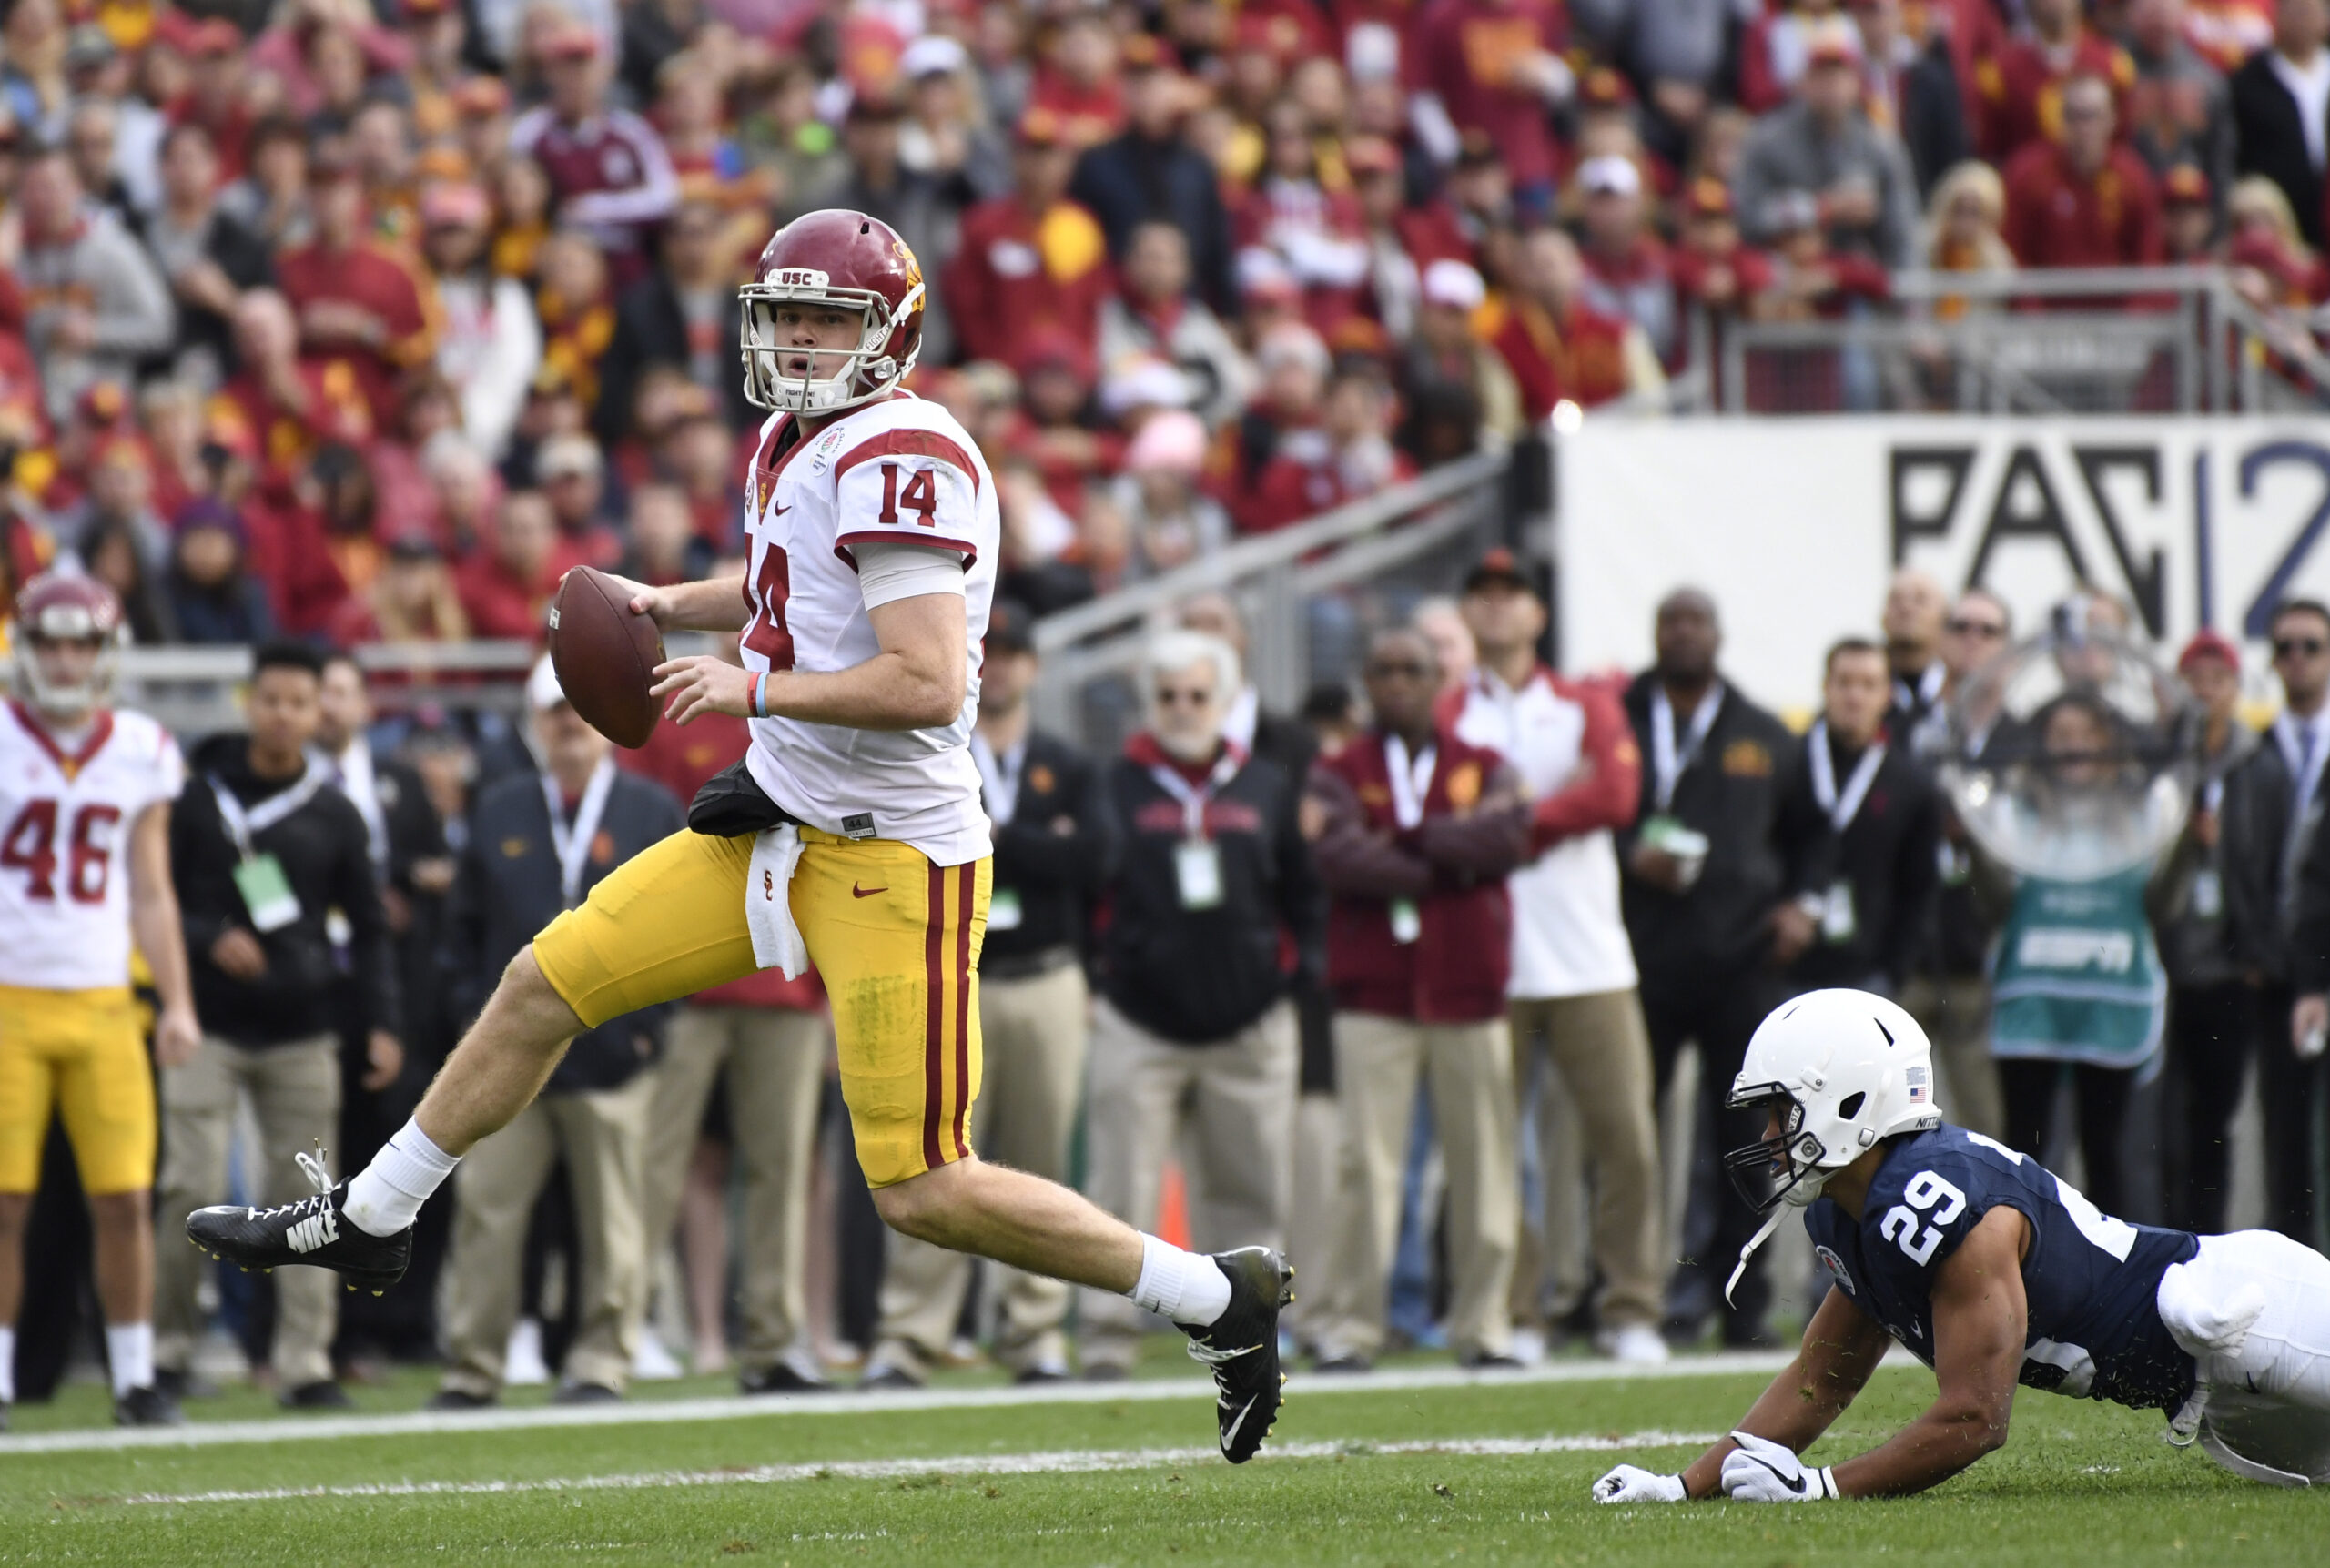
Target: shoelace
x=313 y=1168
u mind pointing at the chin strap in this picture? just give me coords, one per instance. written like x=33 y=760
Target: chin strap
x=1772 y=1223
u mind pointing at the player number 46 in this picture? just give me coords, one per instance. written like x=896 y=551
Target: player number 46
x=1901 y=1225
x=30 y=846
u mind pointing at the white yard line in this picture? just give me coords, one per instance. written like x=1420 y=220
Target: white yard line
x=1068 y=1461
x=296 y=1429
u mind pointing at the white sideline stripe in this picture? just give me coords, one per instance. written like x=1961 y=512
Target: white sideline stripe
x=1068 y=1461
x=733 y=1406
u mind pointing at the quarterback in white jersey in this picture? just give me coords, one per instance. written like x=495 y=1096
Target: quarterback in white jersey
x=85 y=864
x=850 y=836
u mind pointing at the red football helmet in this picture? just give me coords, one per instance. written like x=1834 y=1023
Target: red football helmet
x=55 y=608
x=845 y=259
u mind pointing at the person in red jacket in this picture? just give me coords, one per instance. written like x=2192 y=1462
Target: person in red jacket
x=505 y=589
x=1496 y=67
x=2086 y=201
x=1557 y=346
x=360 y=303
x=1347 y=456
x=2020 y=90
x=1030 y=262
x=1414 y=832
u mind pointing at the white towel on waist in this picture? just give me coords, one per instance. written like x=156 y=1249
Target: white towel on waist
x=768 y=903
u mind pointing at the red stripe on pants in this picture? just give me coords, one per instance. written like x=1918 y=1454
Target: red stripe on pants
x=934 y=1051
x=963 y=1008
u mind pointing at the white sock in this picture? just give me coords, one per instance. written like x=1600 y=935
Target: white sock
x=129 y=1351
x=1186 y=1288
x=7 y=1366
x=386 y=1194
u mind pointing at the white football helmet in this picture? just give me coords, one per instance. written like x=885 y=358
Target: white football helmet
x=1843 y=1069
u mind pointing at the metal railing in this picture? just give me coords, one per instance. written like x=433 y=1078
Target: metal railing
x=1307 y=592
x=2067 y=340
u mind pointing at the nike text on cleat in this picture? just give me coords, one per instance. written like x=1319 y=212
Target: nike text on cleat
x=315 y=1231
x=1242 y=1346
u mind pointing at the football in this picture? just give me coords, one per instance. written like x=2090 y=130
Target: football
x=605 y=656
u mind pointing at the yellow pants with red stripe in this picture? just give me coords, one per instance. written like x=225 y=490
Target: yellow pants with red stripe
x=894 y=937
x=82 y=1056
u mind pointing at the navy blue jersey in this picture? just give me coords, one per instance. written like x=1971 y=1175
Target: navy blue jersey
x=2090 y=1280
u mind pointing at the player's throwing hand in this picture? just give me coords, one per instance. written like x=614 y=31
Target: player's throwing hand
x=1762 y=1471
x=700 y=685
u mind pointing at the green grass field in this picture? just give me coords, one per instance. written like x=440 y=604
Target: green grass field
x=1491 y=1472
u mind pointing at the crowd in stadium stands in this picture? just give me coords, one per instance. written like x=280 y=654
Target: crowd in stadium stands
x=307 y=310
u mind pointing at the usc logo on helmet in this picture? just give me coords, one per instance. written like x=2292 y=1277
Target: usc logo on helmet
x=914 y=267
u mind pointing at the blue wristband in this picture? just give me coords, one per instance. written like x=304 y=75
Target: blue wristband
x=760 y=695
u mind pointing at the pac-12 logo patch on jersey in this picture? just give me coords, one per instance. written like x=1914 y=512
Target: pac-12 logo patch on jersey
x=1835 y=1266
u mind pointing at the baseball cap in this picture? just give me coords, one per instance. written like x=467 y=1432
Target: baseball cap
x=1011 y=628
x=1834 y=42
x=1500 y=568
x=573 y=42
x=455 y=206
x=1454 y=284
x=481 y=96
x=1610 y=175
x=563 y=456
x=932 y=54
x=2206 y=644
x=543 y=691
x=2184 y=184
x=1709 y=197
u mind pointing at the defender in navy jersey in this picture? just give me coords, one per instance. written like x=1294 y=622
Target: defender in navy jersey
x=1992 y=1271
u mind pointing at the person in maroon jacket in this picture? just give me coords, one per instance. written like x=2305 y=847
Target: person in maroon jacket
x=1414 y=832
x=1031 y=261
x=2086 y=200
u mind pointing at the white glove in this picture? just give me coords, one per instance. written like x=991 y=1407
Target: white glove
x=1631 y=1484
x=1761 y=1470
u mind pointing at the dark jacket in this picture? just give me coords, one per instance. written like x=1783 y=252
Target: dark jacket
x=1731 y=793
x=2262 y=902
x=507 y=890
x=235 y=611
x=1450 y=867
x=1130 y=180
x=1052 y=856
x=2269 y=139
x=1933 y=115
x=651 y=329
x=1886 y=854
x=1200 y=976
x=414 y=833
x=322 y=849
x=2197 y=938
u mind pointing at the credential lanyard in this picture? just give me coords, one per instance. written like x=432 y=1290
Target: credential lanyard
x=243 y=826
x=1411 y=780
x=999 y=777
x=1193 y=797
x=1841 y=808
x=572 y=842
x=1666 y=763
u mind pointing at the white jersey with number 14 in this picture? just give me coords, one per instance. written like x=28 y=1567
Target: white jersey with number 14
x=66 y=807
x=897 y=472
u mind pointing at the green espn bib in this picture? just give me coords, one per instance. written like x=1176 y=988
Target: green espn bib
x=2075 y=975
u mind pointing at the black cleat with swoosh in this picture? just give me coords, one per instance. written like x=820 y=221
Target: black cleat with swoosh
x=1242 y=1346
x=315 y=1231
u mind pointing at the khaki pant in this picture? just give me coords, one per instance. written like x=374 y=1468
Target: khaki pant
x=1954 y=1010
x=1311 y=1221
x=295 y=1093
x=1229 y=1106
x=1598 y=1046
x=603 y=1138
x=775 y=1058
x=1034 y=1034
x=1469 y=1068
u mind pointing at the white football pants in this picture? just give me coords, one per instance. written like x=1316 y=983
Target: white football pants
x=2252 y=1309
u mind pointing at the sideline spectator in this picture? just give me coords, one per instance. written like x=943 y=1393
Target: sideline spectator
x=1031 y=261
x=1051 y=858
x=264 y=851
x=1574 y=1002
x=1154 y=315
x=1558 y=347
x=2022 y=91
x=538 y=843
x=360 y=303
x=1702 y=874
x=206 y=256
x=490 y=343
x=1414 y=831
x=2282 y=918
x=1213 y=879
x=2212 y=1014
x=2180 y=110
x=94 y=306
x=1152 y=174
x=1916 y=610
x=684 y=314
x=213 y=596
x=609 y=173
x=505 y=588
x=1858 y=830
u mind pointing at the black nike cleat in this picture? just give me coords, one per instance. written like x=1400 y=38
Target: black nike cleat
x=315 y=1231
x=146 y=1406
x=1242 y=1346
